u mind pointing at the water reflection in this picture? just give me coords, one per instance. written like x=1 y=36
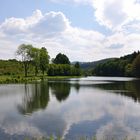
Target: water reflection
x=129 y=88
x=61 y=90
x=105 y=108
x=35 y=99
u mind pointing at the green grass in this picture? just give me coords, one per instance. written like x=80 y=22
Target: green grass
x=29 y=79
x=62 y=77
x=17 y=79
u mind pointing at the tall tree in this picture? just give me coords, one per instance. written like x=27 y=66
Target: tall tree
x=77 y=69
x=61 y=59
x=25 y=52
x=44 y=59
x=35 y=55
x=77 y=65
x=136 y=66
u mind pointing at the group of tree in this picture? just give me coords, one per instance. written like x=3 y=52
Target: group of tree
x=30 y=55
x=61 y=66
x=128 y=65
x=39 y=59
x=63 y=70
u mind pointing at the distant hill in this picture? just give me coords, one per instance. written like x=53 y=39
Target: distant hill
x=91 y=65
x=122 y=66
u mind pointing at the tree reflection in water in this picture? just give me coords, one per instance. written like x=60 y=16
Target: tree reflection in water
x=129 y=88
x=61 y=90
x=36 y=97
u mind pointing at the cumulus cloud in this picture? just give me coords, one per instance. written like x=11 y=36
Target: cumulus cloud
x=52 y=23
x=54 y=31
x=113 y=14
x=19 y=25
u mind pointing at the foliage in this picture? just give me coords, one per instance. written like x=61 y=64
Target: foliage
x=35 y=55
x=117 y=66
x=61 y=59
x=25 y=52
x=39 y=58
x=44 y=59
x=77 y=65
x=63 y=70
x=35 y=60
x=10 y=67
x=77 y=69
x=136 y=66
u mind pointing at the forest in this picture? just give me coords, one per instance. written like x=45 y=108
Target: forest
x=128 y=65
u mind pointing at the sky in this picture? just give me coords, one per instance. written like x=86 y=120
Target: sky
x=84 y=30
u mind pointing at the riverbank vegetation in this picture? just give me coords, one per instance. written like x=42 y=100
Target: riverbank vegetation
x=34 y=64
x=38 y=59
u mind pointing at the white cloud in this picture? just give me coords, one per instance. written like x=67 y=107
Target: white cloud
x=54 y=31
x=19 y=25
x=51 y=23
x=115 y=14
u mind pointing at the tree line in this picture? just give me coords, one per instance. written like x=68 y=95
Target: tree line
x=36 y=61
x=39 y=59
x=128 y=65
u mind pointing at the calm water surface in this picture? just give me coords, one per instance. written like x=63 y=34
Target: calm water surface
x=104 y=107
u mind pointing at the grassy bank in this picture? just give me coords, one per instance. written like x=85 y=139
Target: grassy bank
x=29 y=79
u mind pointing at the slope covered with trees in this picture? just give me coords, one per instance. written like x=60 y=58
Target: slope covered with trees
x=123 y=66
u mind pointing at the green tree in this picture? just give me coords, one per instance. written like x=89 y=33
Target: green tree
x=61 y=59
x=77 y=69
x=35 y=55
x=136 y=66
x=25 y=52
x=128 y=70
x=44 y=59
x=77 y=65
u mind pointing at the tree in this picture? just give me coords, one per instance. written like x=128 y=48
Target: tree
x=136 y=66
x=35 y=55
x=44 y=59
x=25 y=52
x=77 y=65
x=61 y=59
x=128 y=70
x=77 y=69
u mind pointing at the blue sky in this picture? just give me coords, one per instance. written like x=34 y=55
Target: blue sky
x=85 y=30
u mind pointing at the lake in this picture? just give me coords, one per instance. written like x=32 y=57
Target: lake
x=105 y=107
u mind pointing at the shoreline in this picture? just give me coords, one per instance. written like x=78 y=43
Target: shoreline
x=22 y=79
